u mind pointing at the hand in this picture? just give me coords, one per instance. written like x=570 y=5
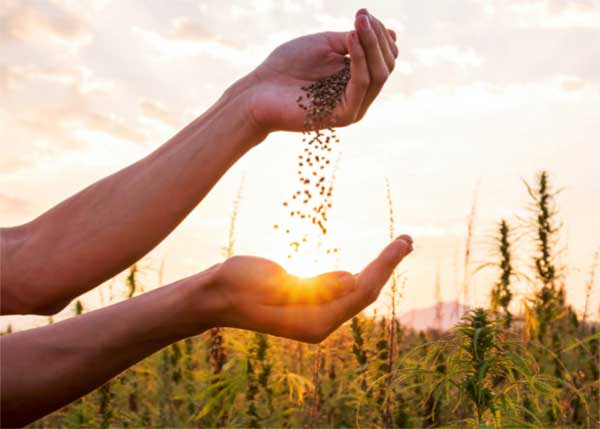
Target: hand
x=302 y=61
x=259 y=295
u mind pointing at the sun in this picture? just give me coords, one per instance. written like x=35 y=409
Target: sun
x=304 y=252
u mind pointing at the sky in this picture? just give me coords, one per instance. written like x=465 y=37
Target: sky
x=485 y=94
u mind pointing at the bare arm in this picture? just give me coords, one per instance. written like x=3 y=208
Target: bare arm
x=44 y=369
x=100 y=231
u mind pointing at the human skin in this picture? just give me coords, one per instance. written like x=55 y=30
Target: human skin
x=100 y=231
x=44 y=369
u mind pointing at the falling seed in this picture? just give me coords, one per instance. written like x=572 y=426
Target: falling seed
x=318 y=101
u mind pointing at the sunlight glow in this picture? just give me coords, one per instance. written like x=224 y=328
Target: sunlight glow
x=301 y=258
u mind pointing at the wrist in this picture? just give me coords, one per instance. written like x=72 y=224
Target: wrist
x=237 y=103
x=201 y=306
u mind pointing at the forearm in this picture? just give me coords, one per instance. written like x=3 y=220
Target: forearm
x=103 y=229
x=44 y=369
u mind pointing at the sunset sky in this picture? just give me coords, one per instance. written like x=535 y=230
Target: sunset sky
x=484 y=92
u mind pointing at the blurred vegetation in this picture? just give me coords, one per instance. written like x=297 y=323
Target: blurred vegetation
x=499 y=367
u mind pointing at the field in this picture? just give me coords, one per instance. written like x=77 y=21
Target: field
x=528 y=364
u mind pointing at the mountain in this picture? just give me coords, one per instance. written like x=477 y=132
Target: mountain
x=425 y=318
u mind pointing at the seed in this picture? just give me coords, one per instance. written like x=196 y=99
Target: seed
x=319 y=101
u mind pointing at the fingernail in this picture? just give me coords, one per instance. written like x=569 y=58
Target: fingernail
x=364 y=22
x=347 y=281
x=405 y=247
x=362 y=11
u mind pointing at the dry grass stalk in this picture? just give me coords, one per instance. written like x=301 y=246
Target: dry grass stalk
x=590 y=285
x=468 y=244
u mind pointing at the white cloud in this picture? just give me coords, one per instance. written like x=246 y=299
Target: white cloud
x=21 y=21
x=11 y=205
x=572 y=83
x=483 y=98
x=335 y=23
x=156 y=111
x=80 y=77
x=463 y=58
x=169 y=47
x=557 y=14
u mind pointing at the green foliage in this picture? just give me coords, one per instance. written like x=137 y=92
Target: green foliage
x=375 y=372
x=549 y=299
x=502 y=294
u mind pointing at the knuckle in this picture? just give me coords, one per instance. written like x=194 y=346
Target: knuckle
x=372 y=295
x=380 y=77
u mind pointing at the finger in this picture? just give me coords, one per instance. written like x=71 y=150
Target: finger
x=384 y=43
x=313 y=323
x=392 y=33
x=378 y=70
x=391 y=38
x=377 y=273
x=359 y=78
x=369 y=284
x=315 y=290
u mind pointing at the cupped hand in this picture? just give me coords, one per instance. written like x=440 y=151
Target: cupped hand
x=258 y=294
x=300 y=62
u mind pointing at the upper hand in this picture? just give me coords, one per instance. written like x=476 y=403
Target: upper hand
x=302 y=61
x=259 y=295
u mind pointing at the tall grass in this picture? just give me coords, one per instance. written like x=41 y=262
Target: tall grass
x=549 y=299
x=375 y=372
x=468 y=247
x=589 y=286
x=502 y=294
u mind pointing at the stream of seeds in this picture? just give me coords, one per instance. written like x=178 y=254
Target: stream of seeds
x=312 y=199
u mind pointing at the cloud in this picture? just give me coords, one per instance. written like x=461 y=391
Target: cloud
x=557 y=14
x=154 y=110
x=482 y=98
x=22 y=22
x=67 y=127
x=463 y=58
x=573 y=84
x=79 y=77
x=106 y=124
x=10 y=205
x=67 y=117
x=187 y=39
x=184 y=28
x=189 y=42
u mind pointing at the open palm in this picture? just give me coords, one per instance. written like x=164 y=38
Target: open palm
x=258 y=294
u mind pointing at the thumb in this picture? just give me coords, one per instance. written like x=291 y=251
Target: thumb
x=377 y=273
x=337 y=41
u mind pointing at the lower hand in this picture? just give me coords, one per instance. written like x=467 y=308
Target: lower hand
x=258 y=294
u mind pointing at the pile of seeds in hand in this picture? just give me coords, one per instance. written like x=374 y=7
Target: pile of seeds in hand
x=311 y=201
